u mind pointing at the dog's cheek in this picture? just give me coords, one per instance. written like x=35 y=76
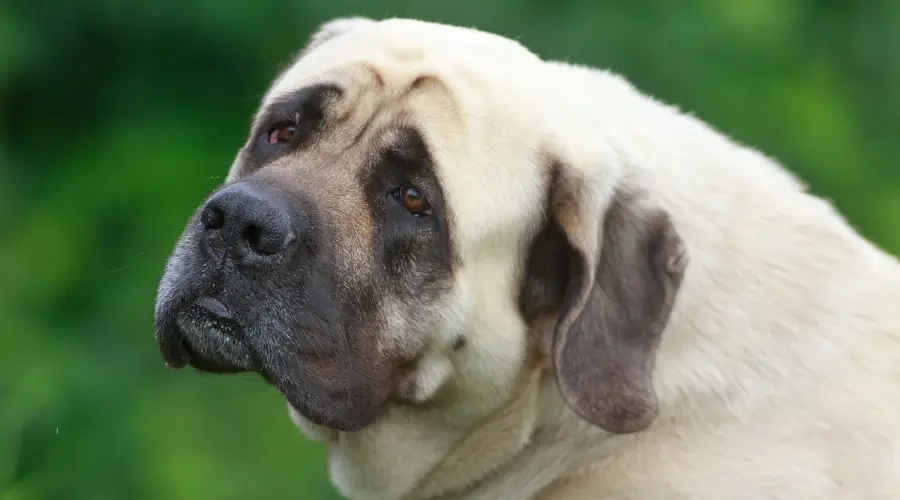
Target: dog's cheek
x=451 y=318
x=310 y=430
x=420 y=383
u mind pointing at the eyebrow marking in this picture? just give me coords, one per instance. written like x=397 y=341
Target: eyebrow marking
x=292 y=105
x=421 y=81
x=374 y=73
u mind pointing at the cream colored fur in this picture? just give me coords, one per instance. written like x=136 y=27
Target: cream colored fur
x=778 y=375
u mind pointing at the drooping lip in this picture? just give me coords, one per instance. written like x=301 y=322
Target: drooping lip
x=201 y=333
x=170 y=341
x=171 y=296
x=214 y=342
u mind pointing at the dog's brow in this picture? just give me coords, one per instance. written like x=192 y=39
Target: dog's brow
x=409 y=145
x=285 y=106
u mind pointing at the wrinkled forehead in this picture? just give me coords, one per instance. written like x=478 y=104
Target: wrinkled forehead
x=404 y=48
x=465 y=92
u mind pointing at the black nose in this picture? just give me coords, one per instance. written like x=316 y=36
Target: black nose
x=251 y=221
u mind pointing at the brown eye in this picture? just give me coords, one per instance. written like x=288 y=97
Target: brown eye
x=282 y=135
x=414 y=200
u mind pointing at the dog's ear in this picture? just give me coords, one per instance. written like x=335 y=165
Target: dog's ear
x=334 y=28
x=606 y=271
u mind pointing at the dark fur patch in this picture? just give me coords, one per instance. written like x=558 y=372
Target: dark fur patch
x=306 y=108
x=415 y=252
x=611 y=308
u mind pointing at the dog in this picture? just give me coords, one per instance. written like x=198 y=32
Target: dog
x=477 y=274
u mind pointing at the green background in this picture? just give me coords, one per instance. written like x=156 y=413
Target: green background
x=117 y=117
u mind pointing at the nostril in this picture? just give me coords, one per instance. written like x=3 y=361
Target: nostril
x=212 y=218
x=253 y=236
x=244 y=220
x=262 y=242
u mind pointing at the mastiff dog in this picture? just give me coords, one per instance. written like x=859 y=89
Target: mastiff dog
x=477 y=274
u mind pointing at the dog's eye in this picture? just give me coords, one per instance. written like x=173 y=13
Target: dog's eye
x=413 y=199
x=282 y=134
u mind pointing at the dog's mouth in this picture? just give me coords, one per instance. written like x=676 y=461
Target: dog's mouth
x=330 y=389
x=212 y=338
x=201 y=333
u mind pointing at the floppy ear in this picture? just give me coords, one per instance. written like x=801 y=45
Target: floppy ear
x=609 y=274
x=334 y=28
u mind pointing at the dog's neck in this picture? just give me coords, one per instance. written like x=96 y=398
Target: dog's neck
x=522 y=450
x=468 y=464
x=487 y=448
x=515 y=442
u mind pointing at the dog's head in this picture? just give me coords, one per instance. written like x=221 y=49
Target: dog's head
x=409 y=210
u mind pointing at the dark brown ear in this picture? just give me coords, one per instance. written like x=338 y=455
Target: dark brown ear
x=334 y=28
x=610 y=277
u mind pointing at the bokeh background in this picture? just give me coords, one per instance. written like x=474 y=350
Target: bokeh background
x=117 y=117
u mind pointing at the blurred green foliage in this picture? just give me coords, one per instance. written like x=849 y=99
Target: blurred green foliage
x=116 y=118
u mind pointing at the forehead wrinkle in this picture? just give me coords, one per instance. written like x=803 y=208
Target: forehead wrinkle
x=347 y=75
x=429 y=90
x=374 y=91
x=373 y=72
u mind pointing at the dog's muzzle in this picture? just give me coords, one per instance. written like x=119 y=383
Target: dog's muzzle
x=242 y=229
x=251 y=287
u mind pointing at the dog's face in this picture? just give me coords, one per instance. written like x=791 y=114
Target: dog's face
x=401 y=218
